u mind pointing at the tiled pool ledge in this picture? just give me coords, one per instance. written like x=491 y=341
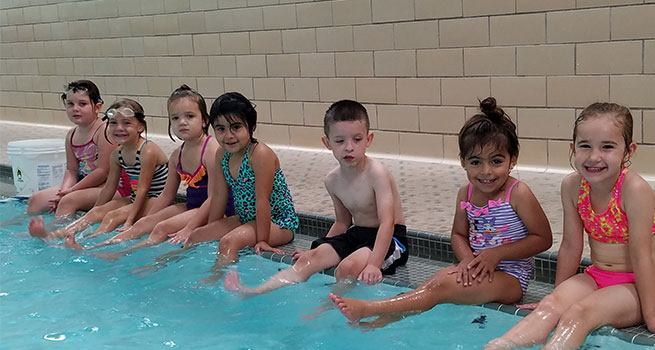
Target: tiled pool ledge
x=430 y=252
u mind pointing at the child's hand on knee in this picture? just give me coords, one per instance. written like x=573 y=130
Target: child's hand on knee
x=181 y=236
x=263 y=246
x=370 y=275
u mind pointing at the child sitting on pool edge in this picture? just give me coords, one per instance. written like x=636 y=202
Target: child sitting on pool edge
x=368 y=237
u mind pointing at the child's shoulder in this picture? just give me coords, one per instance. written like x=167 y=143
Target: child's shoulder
x=261 y=153
x=570 y=187
x=634 y=184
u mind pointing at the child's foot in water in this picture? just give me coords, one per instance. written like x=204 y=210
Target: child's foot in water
x=70 y=241
x=37 y=229
x=232 y=282
x=351 y=308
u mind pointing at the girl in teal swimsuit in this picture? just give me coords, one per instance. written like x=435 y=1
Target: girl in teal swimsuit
x=264 y=213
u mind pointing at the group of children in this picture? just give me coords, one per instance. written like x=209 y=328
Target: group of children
x=237 y=193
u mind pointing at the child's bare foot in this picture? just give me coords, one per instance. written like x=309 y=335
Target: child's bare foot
x=70 y=241
x=232 y=282
x=351 y=308
x=37 y=229
x=500 y=344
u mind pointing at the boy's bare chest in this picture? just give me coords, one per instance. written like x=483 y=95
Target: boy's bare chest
x=356 y=195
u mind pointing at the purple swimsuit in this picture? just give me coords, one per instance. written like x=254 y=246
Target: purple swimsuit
x=495 y=224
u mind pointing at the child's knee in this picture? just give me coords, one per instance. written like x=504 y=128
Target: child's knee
x=348 y=268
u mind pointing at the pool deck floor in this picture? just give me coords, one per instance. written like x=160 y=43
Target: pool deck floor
x=427 y=190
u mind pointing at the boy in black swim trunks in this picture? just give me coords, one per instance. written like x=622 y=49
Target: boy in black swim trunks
x=368 y=237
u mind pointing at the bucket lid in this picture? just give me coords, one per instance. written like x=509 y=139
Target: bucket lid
x=37 y=145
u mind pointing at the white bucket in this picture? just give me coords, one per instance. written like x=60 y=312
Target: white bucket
x=37 y=164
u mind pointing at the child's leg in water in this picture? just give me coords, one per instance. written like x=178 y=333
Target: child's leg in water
x=162 y=261
x=38 y=202
x=37 y=228
x=573 y=307
x=346 y=275
x=310 y=262
x=159 y=233
x=239 y=238
x=442 y=287
x=82 y=200
x=143 y=226
x=212 y=231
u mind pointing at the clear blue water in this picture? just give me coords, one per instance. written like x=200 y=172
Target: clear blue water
x=55 y=298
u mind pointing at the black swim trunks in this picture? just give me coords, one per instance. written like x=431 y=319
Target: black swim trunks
x=357 y=237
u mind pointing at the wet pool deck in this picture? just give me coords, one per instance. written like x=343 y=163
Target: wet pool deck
x=427 y=190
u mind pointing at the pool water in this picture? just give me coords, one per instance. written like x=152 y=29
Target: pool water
x=55 y=298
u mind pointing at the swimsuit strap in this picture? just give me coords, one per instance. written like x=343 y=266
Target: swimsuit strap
x=470 y=192
x=509 y=191
x=143 y=144
x=179 y=157
x=618 y=186
x=245 y=156
x=121 y=161
x=202 y=153
x=88 y=142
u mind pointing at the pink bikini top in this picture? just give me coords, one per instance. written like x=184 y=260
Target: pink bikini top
x=610 y=226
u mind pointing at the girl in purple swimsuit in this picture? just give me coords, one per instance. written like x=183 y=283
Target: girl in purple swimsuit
x=193 y=164
x=498 y=227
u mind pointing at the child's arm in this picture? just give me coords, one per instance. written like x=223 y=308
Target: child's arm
x=539 y=236
x=263 y=162
x=218 y=188
x=640 y=208
x=70 y=176
x=459 y=239
x=99 y=175
x=570 y=250
x=381 y=180
x=150 y=158
x=167 y=195
x=109 y=189
x=343 y=218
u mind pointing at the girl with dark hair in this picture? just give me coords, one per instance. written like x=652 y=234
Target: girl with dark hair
x=264 y=213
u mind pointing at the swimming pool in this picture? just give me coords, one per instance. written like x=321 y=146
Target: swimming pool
x=51 y=297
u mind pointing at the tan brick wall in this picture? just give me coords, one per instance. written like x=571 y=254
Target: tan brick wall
x=419 y=66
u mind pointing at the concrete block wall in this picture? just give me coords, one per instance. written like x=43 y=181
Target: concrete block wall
x=419 y=66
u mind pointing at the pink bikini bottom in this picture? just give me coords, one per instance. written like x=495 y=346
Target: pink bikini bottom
x=608 y=278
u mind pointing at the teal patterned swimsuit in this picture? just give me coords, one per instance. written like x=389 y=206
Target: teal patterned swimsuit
x=283 y=213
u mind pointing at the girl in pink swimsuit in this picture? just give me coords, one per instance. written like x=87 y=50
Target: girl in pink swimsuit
x=615 y=206
x=87 y=155
x=193 y=164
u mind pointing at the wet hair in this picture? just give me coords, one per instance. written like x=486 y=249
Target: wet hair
x=86 y=86
x=345 y=110
x=491 y=127
x=184 y=91
x=234 y=106
x=133 y=105
x=622 y=116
